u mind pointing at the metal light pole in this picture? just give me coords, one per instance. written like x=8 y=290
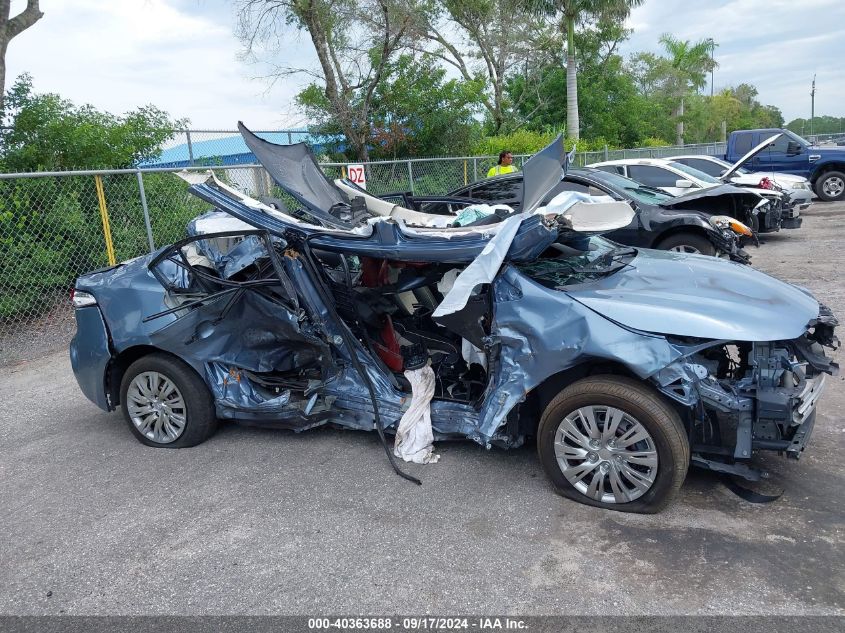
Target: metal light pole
x=812 y=104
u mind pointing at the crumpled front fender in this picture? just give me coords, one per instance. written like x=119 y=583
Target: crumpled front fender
x=543 y=332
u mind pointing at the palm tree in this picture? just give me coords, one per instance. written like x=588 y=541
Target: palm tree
x=690 y=64
x=573 y=12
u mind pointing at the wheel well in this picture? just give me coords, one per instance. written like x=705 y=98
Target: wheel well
x=826 y=168
x=675 y=230
x=118 y=366
x=538 y=398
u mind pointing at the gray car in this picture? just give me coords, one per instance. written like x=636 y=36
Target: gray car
x=626 y=365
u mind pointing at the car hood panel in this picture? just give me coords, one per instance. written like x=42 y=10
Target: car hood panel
x=777 y=176
x=700 y=296
x=716 y=191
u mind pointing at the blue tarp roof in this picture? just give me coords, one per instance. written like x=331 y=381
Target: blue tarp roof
x=231 y=150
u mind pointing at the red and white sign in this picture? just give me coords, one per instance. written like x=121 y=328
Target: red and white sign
x=356 y=174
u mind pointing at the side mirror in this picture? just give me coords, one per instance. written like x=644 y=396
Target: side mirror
x=793 y=148
x=684 y=184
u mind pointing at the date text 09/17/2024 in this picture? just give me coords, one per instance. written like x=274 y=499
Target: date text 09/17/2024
x=423 y=623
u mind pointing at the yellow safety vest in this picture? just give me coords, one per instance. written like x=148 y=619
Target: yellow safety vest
x=499 y=170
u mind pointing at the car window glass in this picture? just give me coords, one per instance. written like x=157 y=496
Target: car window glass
x=567 y=185
x=778 y=146
x=612 y=169
x=798 y=139
x=701 y=164
x=504 y=190
x=742 y=144
x=695 y=173
x=652 y=176
x=436 y=208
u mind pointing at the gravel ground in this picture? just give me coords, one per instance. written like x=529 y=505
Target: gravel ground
x=269 y=522
x=38 y=337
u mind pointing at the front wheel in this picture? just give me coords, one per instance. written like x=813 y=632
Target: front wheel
x=612 y=442
x=166 y=403
x=830 y=186
x=687 y=243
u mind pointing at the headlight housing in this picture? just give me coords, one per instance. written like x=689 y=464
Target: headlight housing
x=726 y=222
x=81 y=299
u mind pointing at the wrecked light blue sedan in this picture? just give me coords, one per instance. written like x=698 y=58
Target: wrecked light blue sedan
x=627 y=365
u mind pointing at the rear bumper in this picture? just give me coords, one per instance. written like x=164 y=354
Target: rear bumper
x=90 y=355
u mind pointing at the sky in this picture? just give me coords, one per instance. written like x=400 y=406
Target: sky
x=184 y=57
x=776 y=45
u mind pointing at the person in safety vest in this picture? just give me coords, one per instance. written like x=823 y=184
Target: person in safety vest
x=504 y=166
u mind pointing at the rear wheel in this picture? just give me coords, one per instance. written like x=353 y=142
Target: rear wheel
x=687 y=243
x=831 y=186
x=165 y=403
x=611 y=442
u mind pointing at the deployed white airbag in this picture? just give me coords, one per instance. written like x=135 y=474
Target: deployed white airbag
x=483 y=269
x=414 y=437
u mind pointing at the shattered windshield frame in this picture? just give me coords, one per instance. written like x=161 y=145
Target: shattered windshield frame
x=579 y=261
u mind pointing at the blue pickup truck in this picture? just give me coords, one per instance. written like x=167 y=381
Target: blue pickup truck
x=824 y=167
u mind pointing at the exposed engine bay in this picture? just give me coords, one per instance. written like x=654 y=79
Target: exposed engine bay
x=752 y=396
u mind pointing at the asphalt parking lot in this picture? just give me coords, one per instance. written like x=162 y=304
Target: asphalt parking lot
x=270 y=522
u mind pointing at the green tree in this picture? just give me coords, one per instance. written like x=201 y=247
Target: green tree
x=354 y=42
x=572 y=14
x=414 y=111
x=49 y=133
x=821 y=125
x=487 y=42
x=50 y=228
x=688 y=65
x=417 y=111
x=613 y=110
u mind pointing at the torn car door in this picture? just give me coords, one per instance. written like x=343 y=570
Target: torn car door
x=239 y=320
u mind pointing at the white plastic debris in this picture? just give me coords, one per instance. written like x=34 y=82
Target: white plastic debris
x=565 y=199
x=472 y=354
x=482 y=270
x=447 y=281
x=414 y=438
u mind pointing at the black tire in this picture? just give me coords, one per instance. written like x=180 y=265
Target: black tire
x=689 y=240
x=649 y=409
x=825 y=180
x=754 y=223
x=200 y=420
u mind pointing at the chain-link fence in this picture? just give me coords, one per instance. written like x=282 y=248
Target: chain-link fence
x=56 y=226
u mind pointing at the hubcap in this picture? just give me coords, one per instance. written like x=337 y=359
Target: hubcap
x=833 y=186
x=156 y=407
x=685 y=248
x=606 y=454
